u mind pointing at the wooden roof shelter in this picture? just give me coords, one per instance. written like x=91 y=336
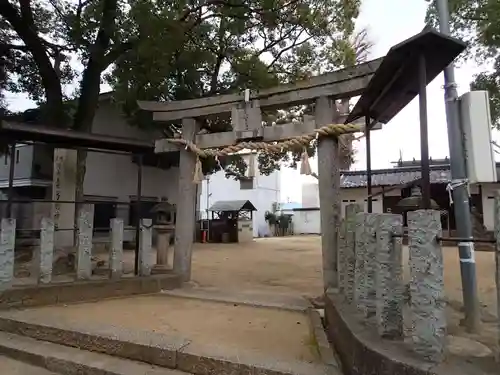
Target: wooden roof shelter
x=404 y=73
x=238 y=209
x=238 y=205
x=14 y=132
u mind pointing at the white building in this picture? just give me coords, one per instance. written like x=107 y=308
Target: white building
x=310 y=194
x=389 y=186
x=263 y=191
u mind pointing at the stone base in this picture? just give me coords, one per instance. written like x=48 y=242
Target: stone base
x=362 y=352
x=159 y=269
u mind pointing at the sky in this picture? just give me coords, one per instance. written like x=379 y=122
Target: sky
x=388 y=22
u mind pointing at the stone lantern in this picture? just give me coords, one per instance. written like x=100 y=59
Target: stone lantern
x=164 y=226
x=414 y=201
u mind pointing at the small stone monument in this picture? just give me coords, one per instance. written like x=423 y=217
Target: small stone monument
x=164 y=227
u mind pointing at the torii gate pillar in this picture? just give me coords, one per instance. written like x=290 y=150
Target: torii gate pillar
x=186 y=205
x=326 y=112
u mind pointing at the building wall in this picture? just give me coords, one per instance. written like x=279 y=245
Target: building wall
x=310 y=195
x=23 y=160
x=114 y=177
x=265 y=193
x=358 y=195
x=489 y=191
x=307 y=221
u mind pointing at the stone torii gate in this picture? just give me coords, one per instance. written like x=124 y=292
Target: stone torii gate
x=246 y=119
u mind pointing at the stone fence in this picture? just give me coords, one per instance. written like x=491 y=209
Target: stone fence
x=370 y=269
x=44 y=255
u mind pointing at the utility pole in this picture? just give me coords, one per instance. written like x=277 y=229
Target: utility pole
x=459 y=185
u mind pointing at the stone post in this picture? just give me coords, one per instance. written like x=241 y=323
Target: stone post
x=427 y=284
x=365 y=263
x=497 y=264
x=146 y=241
x=359 y=262
x=389 y=283
x=116 y=250
x=7 y=244
x=341 y=257
x=45 y=254
x=348 y=251
x=163 y=235
x=370 y=259
x=84 y=251
x=186 y=205
x=329 y=190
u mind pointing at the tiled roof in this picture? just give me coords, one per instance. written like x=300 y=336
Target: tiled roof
x=388 y=177
x=226 y=206
x=289 y=205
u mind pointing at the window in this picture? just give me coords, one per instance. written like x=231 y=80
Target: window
x=246 y=183
x=17 y=156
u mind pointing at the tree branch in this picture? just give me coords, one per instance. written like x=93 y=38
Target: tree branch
x=293 y=45
x=117 y=51
x=24 y=25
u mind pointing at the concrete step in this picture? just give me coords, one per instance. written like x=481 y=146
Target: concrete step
x=160 y=350
x=9 y=366
x=66 y=360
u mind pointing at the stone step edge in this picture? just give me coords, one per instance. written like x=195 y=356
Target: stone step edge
x=186 y=357
x=229 y=298
x=64 y=360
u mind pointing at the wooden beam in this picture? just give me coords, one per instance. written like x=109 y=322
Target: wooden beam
x=268 y=133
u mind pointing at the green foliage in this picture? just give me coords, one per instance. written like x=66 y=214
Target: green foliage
x=477 y=22
x=170 y=50
x=271 y=218
x=227 y=47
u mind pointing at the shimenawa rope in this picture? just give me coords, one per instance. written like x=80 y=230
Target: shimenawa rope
x=293 y=143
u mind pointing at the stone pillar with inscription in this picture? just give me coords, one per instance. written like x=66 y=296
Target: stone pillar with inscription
x=64 y=189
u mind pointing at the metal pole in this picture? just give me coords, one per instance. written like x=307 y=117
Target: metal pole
x=12 y=167
x=424 y=137
x=208 y=207
x=459 y=184
x=368 y=164
x=138 y=214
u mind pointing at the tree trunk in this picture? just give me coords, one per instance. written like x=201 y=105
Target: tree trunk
x=84 y=117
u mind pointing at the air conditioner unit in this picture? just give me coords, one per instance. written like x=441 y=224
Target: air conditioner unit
x=476 y=128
